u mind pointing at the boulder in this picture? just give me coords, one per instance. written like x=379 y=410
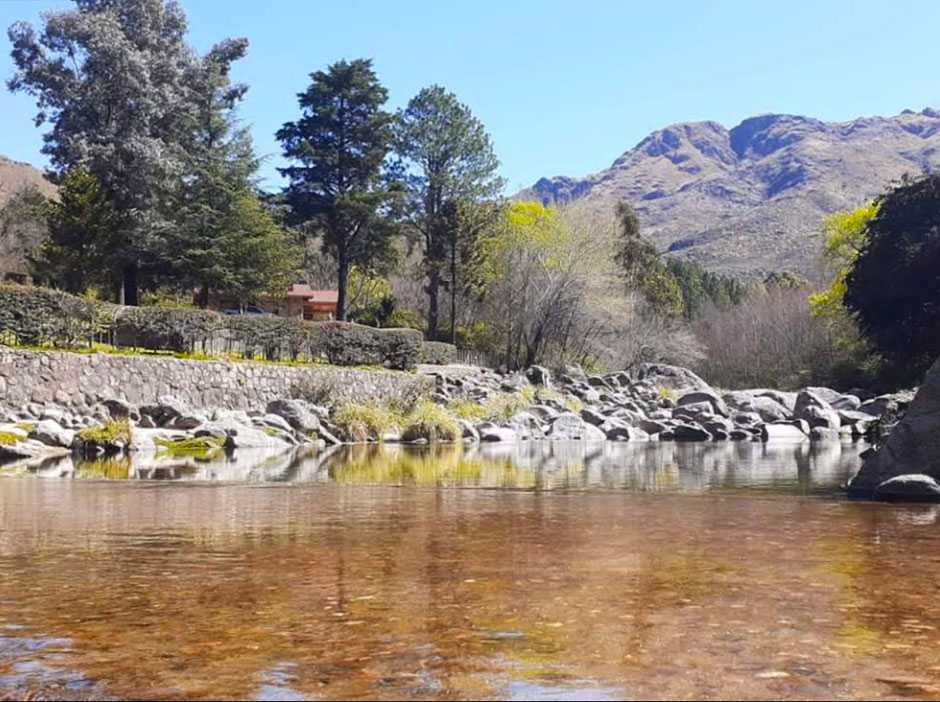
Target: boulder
x=539 y=375
x=786 y=399
x=118 y=408
x=890 y=407
x=690 y=432
x=913 y=447
x=592 y=416
x=569 y=426
x=671 y=377
x=846 y=402
x=704 y=396
x=275 y=421
x=51 y=433
x=911 y=487
x=782 y=432
x=824 y=434
x=828 y=395
x=490 y=432
x=816 y=411
x=653 y=426
x=468 y=431
x=544 y=411
x=526 y=425
x=188 y=421
x=296 y=414
x=769 y=409
x=617 y=430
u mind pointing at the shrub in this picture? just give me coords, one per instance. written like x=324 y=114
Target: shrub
x=274 y=337
x=349 y=344
x=200 y=446
x=430 y=421
x=438 y=353
x=110 y=435
x=359 y=423
x=162 y=329
x=36 y=316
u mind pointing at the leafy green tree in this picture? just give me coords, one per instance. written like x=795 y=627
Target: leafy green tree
x=110 y=77
x=224 y=239
x=703 y=290
x=641 y=266
x=23 y=228
x=447 y=156
x=894 y=284
x=785 y=280
x=338 y=148
x=845 y=236
x=82 y=232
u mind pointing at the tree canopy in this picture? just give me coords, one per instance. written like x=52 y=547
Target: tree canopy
x=338 y=148
x=894 y=284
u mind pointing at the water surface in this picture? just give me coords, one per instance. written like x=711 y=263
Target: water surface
x=531 y=573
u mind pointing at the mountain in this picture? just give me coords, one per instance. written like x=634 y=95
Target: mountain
x=18 y=238
x=751 y=199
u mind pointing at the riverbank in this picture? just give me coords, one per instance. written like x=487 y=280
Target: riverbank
x=96 y=404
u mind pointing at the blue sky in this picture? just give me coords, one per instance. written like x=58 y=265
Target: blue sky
x=565 y=87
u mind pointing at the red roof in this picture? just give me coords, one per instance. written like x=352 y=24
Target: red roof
x=303 y=290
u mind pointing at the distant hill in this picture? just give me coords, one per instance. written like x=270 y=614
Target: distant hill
x=751 y=199
x=17 y=242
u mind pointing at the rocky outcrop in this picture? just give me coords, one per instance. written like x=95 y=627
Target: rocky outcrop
x=912 y=448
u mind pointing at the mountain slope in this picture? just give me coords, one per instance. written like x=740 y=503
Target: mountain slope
x=18 y=239
x=751 y=199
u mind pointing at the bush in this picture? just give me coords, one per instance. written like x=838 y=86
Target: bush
x=359 y=423
x=438 y=353
x=274 y=337
x=430 y=421
x=161 y=329
x=37 y=316
x=349 y=344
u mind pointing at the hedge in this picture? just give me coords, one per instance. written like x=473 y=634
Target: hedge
x=38 y=316
x=438 y=353
x=350 y=344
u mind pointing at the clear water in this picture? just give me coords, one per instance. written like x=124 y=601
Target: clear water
x=543 y=572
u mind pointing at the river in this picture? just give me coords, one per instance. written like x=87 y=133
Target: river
x=539 y=572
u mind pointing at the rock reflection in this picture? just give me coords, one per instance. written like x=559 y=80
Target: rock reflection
x=797 y=467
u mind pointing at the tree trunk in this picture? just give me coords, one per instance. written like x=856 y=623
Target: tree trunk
x=434 y=286
x=129 y=289
x=453 y=292
x=343 y=264
x=204 y=297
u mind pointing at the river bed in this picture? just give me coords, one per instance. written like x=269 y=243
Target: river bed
x=527 y=572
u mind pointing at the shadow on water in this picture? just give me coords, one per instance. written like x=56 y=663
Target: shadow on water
x=654 y=466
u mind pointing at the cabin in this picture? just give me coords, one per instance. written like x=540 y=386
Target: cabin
x=300 y=302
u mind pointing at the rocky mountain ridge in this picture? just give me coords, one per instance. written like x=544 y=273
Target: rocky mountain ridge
x=751 y=199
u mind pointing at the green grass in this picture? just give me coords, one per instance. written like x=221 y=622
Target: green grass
x=196 y=446
x=363 y=422
x=111 y=432
x=428 y=420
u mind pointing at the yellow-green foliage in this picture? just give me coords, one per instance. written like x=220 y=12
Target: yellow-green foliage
x=362 y=422
x=470 y=410
x=25 y=426
x=846 y=234
x=8 y=438
x=196 y=446
x=430 y=421
x=111 y=432
x=666 y=392
x=498 y=408
x=552 y=395
x=107 y=468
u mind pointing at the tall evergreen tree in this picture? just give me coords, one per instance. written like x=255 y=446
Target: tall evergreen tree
x=110 y=77
x=223 y=239
x=337 y=149
x=641 y=266
x=448 y=157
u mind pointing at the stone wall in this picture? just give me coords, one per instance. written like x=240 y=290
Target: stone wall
x=78 y=381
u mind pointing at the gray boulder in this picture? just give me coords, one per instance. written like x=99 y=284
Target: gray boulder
x=671 y=377
x=539 y=375
x=705 y=396
x=913 y=447
x=490 y=432
x=786 y=399
x=846 y=402
x=468 y=431
x=51 y=433
x=592 y=416
x=526 y=425
x=569 y=426
x=782 y=432
x=296 y=414
x=275 y=421
x=824 y=434
x=769 y=409
x=911 y=487
x=690 y=432
x=816 y=411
